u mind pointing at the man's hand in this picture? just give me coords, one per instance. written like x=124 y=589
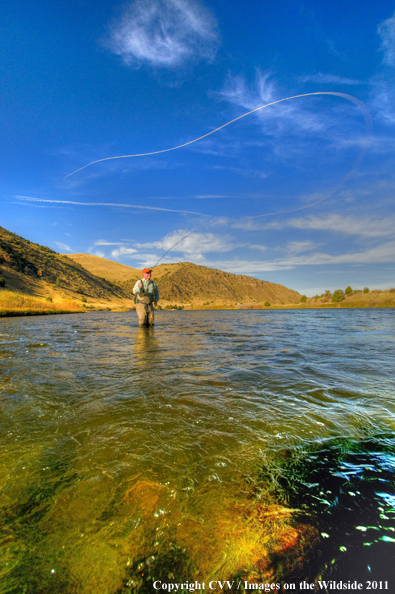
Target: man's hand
x=140 y=285
x=155 y=303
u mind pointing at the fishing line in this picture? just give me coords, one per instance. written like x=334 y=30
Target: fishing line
x=361 y=106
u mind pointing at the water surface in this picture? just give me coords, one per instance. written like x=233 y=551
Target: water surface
x=133 y=454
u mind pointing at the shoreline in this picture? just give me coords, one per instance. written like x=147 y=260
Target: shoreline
x=38 y=312
x=41 y=312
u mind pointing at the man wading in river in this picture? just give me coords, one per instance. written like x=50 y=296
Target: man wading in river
x=147 y=295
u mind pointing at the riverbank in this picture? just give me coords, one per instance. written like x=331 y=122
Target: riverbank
x=355 y=299
x=16 y=304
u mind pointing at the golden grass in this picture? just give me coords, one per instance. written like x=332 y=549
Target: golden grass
x=13 y=304
x=103 y=268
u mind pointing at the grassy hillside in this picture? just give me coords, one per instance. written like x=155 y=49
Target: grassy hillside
x=194 y=285
x=375 y=298
x=17 y=304
x=111 y=271
x=82 y=280
x=198 y=285
x=36 y=270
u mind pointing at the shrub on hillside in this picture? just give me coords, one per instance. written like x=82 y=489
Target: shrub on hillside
x=267 y=304
x=48 y=299
x=366 y=290
x=348 y=290
x=83 y=299
x=303 y=299
x=2 y=281
x=338 y=296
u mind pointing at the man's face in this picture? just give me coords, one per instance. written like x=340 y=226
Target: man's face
x=147 y=275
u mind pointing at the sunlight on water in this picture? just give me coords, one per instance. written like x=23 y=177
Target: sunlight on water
x=130 y=454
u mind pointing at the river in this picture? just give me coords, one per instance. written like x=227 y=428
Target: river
x=249 y=446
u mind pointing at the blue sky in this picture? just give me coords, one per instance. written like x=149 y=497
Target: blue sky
x=87 y=81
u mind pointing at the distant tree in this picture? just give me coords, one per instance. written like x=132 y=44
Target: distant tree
x=338 y=296
x=328 y=293
x=348 y=290
x=303 y=299
x=267 y=304
x=366 y=290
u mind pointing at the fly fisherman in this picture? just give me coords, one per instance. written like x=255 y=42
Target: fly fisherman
x=147 y=295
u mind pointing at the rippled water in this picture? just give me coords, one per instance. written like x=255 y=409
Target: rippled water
x=179 y=452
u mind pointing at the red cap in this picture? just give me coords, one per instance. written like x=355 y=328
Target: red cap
x=146 y=270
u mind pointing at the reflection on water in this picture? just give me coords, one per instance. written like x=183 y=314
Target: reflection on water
x=217 y=445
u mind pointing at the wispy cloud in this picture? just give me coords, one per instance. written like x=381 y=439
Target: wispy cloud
x=31 y=199
x=382 y=254
x=278 y=119
x=122 y=252
x=296 y=247
x=386 y=31
x=330 y=79
x=164 y=33
x=349 y=225
x=105 y=242
x=193 y=246
x=62 y=246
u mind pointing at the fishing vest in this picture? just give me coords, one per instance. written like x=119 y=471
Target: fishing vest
x=144 y=297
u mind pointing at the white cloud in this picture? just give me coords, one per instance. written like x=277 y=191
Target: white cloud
x=386 y=31
x=195 y=245
x=62 y=246
x=364 y=227
x=164 y=33
x=382 y=254
x=329 y=79
x=296 y=247
x=261 y=248
x=122 y=252
x=99 y=254
x=104 y=242
x=279 y=118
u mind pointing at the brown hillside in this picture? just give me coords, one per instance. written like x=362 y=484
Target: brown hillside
x=37 y=270
x=111 y=271
x=186 y=283
x=199 y=285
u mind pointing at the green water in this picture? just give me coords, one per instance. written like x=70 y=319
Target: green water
x=218 y=445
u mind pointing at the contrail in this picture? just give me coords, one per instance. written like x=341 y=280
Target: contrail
x=30 y=199
x=361 y=106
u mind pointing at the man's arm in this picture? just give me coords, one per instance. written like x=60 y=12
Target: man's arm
x=137 y=287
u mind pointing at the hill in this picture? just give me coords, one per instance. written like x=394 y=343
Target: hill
x=37 y=270
x=355 y=299
x=199 y=285
x=111 y=271
x=190 y=284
